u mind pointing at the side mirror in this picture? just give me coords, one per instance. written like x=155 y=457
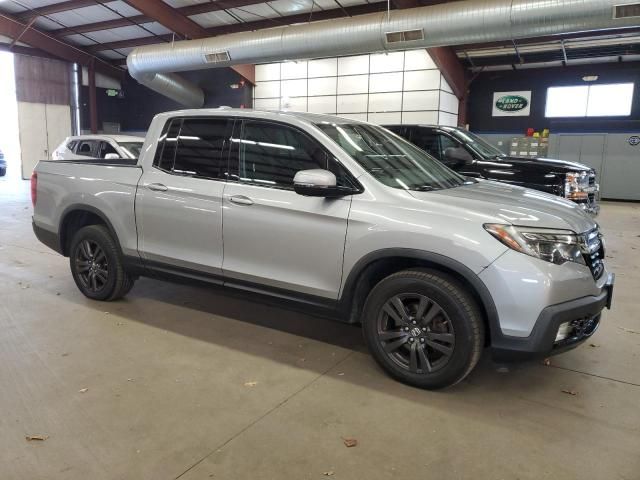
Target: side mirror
x=112 y=156
x=457 y=155
x=318 y=183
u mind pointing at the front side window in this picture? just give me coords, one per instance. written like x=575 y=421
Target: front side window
x=390 y=159
x=478 y=144
x=270 y=154
x=427 y=141
x=195 y=147
x=106 y=147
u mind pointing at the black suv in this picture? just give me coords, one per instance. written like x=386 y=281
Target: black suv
x=470 y=155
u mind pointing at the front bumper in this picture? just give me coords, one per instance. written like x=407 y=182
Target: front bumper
x=582 y=314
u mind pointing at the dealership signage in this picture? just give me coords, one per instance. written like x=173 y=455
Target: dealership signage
x=511 y=104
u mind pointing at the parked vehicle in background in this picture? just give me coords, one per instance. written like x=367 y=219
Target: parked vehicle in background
x=336 y=214
x=472 y=156
x=3 y=164
x=98 y=146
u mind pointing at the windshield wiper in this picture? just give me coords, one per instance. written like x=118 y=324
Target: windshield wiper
x=423 y=188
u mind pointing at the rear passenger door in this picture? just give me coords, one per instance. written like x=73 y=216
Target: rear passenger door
x=274 y=237
x=179 y=199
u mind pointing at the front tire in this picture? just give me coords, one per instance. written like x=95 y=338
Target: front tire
x=423 y=328
x=96 y=265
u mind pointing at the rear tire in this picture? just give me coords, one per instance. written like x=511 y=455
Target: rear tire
x=96 y=264
x=423 y=328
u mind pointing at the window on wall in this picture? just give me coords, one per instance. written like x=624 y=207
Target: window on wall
x=605 y=100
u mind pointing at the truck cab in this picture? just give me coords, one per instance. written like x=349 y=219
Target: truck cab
x=472 y=156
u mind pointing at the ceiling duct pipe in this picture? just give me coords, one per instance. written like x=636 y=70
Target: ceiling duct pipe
x=455 y=23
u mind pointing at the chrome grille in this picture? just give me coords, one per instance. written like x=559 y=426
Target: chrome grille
x=592 y=246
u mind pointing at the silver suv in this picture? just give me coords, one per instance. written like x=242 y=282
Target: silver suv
x=337 y=214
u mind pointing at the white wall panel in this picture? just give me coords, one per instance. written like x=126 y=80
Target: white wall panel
x=422 y=80
x=445 y=86
x=418 y=60
x=294 y=88
x=268 y=71
x=387 y=62
x=353 y=65
x=448 y=119
x=385 y=82
x=322 y=104
x=266 y=104
x=415 y=101
x=448 y=102
x=385 y=118
x=420 y=117
x=326 y=67
x=353 y=84
x=291 y=70
x=352 y=103
x=322 y=86
x=382 y=88
x=385 y=102
x=267 y=89
x=296 y=104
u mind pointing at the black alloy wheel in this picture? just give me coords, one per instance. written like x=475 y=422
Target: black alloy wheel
x=97 y=266
x=416 y=333
x=423 y=327
x=92 y=266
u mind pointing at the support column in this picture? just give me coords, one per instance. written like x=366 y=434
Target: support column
x=93 y=105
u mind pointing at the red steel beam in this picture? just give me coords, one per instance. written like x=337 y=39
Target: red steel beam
x=12 y=28
x=169 y=17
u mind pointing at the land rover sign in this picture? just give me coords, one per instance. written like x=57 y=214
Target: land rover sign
x=511 y=104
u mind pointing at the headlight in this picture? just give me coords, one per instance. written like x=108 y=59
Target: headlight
x=555 y=246
x=575 y=185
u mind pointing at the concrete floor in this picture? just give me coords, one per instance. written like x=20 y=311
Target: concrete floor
x=169 y=373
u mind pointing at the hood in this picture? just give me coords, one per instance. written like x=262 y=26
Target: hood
x=548 y=164
x=511 y=204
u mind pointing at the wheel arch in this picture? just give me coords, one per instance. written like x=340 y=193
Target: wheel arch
x=375 y=266
x=77 y=216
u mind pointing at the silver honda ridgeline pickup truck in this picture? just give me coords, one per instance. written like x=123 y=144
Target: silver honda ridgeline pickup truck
x=337 y=214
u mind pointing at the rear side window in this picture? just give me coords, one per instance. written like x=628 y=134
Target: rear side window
x=195 y=147
x=271 y=154
x=87 y=148
x=72 y=145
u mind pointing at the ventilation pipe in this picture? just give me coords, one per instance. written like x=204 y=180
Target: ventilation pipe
x=455 y=23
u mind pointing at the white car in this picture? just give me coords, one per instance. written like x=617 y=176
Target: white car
x=98 y=146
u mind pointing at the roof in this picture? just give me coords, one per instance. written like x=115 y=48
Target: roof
x=109 y=29
x=273 y=114
x=115 y=138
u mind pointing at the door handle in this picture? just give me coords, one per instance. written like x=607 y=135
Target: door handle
x=241 y=200
x=157 y=187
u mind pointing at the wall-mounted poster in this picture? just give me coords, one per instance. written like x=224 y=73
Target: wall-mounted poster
x=511 y=104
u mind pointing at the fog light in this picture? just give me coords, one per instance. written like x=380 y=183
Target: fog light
x=563 y=331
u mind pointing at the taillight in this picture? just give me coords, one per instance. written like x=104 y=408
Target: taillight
x=34 y=188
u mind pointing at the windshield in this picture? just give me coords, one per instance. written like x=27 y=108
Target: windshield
x=484 y=148
x=132 y=149
x=390 y=159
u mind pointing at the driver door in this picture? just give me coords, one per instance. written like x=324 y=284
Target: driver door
x=274 y=237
